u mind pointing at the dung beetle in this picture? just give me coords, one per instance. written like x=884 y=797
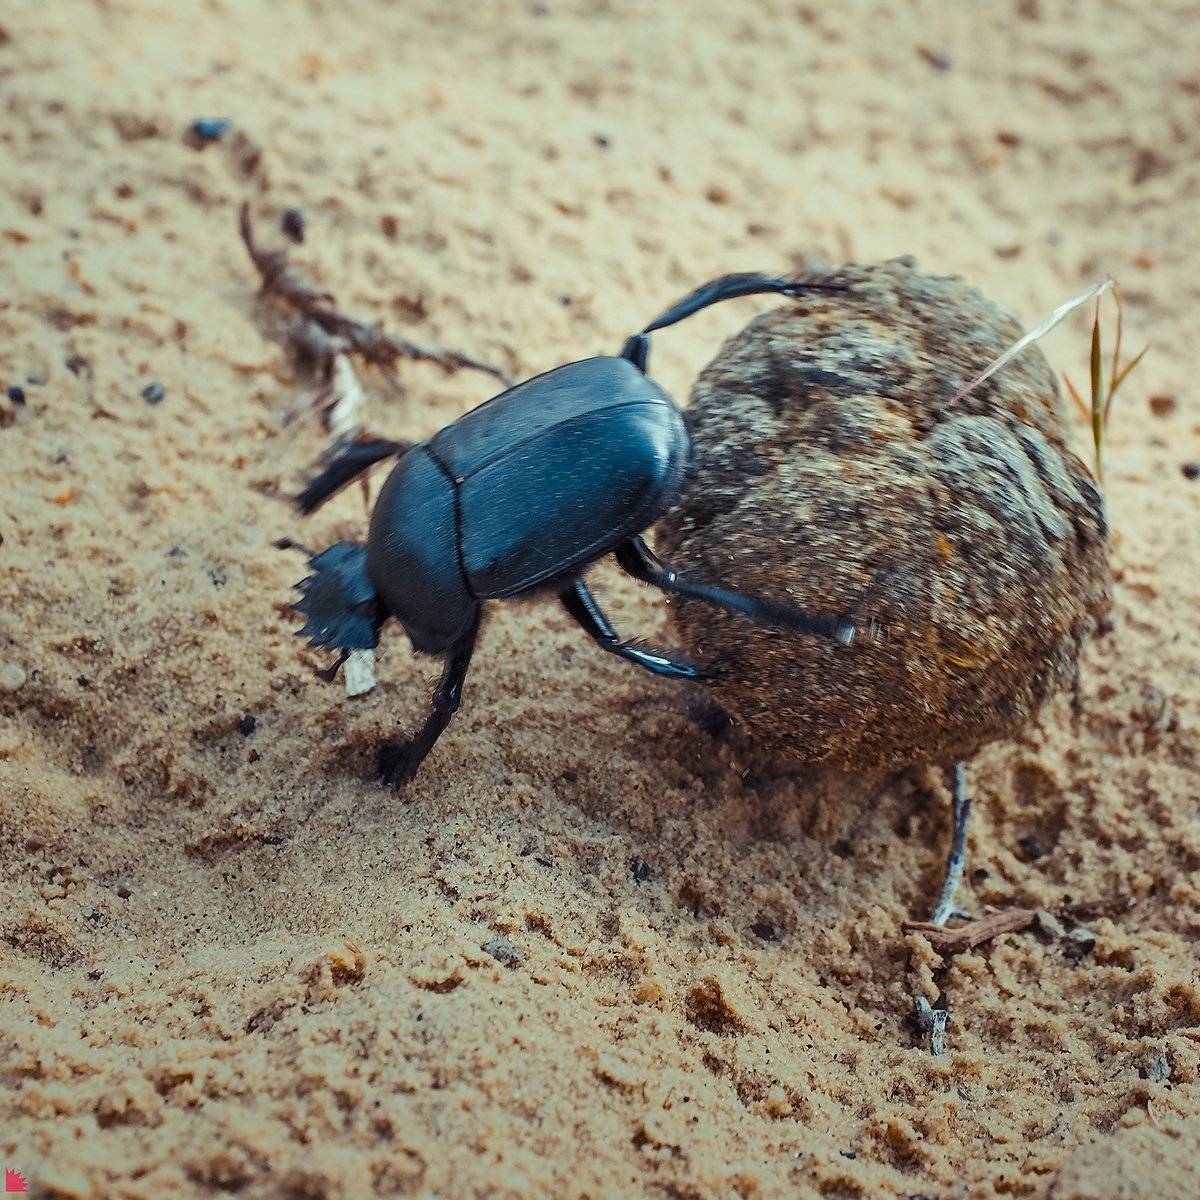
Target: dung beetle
x=519 y=497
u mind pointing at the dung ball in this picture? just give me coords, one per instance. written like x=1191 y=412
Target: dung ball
x=835 y=469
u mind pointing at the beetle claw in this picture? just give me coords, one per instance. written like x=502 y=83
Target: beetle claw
x=397 y=763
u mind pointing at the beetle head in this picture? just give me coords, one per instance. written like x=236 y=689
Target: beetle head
x=338 y=601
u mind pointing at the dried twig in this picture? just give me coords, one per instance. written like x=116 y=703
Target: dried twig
x=931 y=1021
x=954 y=940
x=342 y=333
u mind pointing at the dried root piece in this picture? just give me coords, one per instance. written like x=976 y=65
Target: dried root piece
x=326 y=331
x=955 y=939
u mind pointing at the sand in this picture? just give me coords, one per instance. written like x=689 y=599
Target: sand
x=594 y=950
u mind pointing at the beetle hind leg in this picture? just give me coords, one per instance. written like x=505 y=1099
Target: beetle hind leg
x=581 y=604
x=400 y=761
x=638 y=560
x=956 y=860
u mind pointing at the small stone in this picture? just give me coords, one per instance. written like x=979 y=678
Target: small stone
x=209 y=129
x=939 y=60
x=1080 y=942
x=1048 y=926
x=292 y=224
x=359 y=672
x=247 y=725
x=503 y=951
x=1191 y=470
x=639 y=869
x=1031 y=847
x=601 y=140
x=123 y=891
x=76 y=363
x=765 y=930
x=16 y=394
x=1158 y=1069
x=1162 y=406
x=12 y=677
x=154 y=393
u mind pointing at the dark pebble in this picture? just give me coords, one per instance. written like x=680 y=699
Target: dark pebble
x=1079 y=944
x=247 y=725
x=154 y=393
x=601 y=141
x=503 y=951
x=937 y=59
x=124 y=892
x=209 y=129
x=76 y=363
x=1191 y=470
x=292 y=224
x=765 y=930
x=16 y=394
x=84 y=681
x=639 y=870
x=1031 y=847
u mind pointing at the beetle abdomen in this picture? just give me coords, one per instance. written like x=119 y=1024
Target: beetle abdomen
x=412 y=554
x=569 y=494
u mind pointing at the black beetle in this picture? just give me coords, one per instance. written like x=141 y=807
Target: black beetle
x=520 y=496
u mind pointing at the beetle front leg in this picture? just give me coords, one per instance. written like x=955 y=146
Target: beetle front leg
x=581 y=604
x=400 y=761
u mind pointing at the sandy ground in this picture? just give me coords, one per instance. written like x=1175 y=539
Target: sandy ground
x=595 y=950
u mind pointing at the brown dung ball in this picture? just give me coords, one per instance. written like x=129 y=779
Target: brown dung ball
x=834 y=469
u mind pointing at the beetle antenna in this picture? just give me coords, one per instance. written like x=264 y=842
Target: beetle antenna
x=742 y=283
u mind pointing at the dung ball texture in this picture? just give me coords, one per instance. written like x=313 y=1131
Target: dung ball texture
x=834 y=469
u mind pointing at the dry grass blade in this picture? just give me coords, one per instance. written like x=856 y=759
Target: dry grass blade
x=1060 y=314
x=1080 y=403
x=1120 y=375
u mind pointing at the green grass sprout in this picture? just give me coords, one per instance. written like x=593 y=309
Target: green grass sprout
x=1100 y=407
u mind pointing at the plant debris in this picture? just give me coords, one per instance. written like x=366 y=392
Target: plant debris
x=947 y=939
x=326 y=331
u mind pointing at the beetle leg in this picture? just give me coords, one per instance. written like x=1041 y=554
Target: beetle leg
x=957 y=858
x=399 y=761
x=582 y=606
x=636 y=558
x=351 y=460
